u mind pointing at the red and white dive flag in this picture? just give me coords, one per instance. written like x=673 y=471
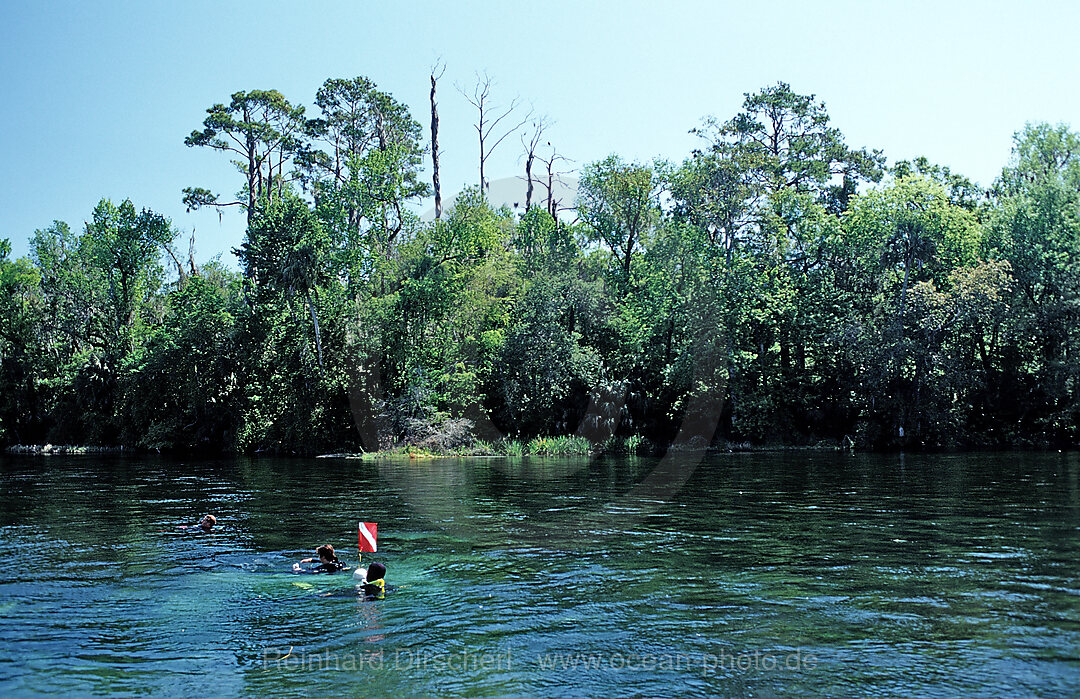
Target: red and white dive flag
x=368 y=534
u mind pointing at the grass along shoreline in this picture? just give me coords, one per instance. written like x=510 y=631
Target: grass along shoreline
x=569 y=446
x=538 y=446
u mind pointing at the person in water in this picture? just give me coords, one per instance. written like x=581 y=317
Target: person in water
x=328 y=561
x=374 y=586
x=206 y=524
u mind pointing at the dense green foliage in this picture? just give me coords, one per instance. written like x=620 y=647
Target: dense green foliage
x=776 y=284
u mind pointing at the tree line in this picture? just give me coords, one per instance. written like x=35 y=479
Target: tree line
x=777 y=286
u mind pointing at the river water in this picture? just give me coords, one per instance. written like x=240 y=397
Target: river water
x=763 y=574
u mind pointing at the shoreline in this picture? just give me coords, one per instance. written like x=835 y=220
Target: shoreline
x=485 y=451
x=62 y=449
x=422 y=454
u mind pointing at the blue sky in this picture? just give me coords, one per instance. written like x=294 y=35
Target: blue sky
x=98 y=97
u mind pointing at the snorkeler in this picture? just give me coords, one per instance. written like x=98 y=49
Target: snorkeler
x=374 y=586
x=328 y=562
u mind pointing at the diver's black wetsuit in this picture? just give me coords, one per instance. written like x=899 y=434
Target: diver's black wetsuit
x=331 y=567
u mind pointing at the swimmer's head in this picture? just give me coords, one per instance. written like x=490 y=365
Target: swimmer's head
x=326 y=552
x=208 y=522
x=377 y=571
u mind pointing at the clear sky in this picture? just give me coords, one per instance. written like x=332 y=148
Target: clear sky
x=98 y=96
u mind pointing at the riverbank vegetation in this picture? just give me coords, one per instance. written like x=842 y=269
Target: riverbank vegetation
x=774 y=286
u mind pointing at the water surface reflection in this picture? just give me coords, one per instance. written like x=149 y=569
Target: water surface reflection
x=894 y=575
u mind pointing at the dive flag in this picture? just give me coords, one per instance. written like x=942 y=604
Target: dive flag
x=368 y=534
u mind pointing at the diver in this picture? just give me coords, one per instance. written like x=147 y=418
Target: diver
x=374 y=581
x=328 y=562
x=205 y=525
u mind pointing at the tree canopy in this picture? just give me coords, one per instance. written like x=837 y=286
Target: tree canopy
x=776 y=286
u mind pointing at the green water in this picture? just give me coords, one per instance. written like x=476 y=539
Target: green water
x=733 y=575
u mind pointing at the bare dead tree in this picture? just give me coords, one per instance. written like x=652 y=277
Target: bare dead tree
x=489 y=116
x=440 y=68
x=530 y=145
x=191 y=254
x=553 y=175
x=180 y=271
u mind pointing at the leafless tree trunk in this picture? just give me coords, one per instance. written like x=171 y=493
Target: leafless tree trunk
x=191 y=254
x=530 y=156
x=181 y=272
x=487 y=122
x=552 y=176
x=435 y=140
x=179 y=267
